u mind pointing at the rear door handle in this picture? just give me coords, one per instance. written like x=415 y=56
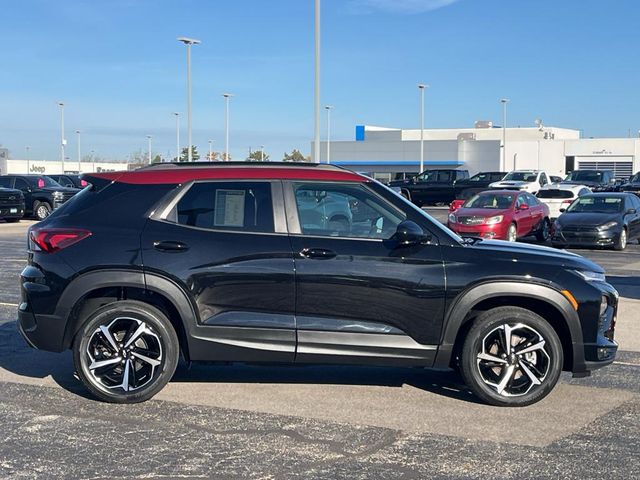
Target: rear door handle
x=319 y=253
x=170 y=246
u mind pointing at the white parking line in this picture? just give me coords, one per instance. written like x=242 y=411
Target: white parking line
x=627 y=364
x=3 y=304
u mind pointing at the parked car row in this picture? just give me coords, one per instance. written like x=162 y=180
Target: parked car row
x=34 y=195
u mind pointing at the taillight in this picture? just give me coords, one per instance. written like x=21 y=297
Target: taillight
x=83 y=183
x=51 y=240
x=567 y=202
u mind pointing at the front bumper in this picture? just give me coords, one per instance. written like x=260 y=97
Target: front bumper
x=594 y=238
x=12 y=211
x=497 y=231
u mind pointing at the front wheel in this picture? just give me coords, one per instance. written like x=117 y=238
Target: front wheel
x=621 y=243
x=126 y=352
x=512 y=233
x=41 y=210
x=542 y=235
x=511 y=357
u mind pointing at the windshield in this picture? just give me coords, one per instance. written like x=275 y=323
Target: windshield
x=584 y=176
x=43 y=182
x=489 y=200
x=480 y=177
x=597 y=205
x=521 y=176
x=635 y=178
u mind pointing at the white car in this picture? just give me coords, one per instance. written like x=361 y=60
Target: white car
x=523 y=180
x=560 y=195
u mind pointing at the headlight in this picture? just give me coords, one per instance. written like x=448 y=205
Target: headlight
x=556 y=226
x=604 y=303
x=590 y=276
x=452 y=218
x=58 y=195
x=494 y=220
x=607 y=226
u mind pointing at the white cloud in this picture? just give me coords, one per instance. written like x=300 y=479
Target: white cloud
x=403 y=7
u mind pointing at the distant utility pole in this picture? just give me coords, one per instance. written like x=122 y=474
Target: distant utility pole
x=62 y=140
x=177 y=115
x=209 y=158
x=422 y=87
x=316 y=144
x=79 y=158
x=149 y=140
x=328 y=108
x=503 y=160
x=262 y=153
x=28 y=158
x=226 y=96
x=188 y=42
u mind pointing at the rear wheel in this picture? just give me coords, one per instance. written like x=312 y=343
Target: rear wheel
x=511 y=357
x=621 y=243
x=512 y=233
x=126 y=352
x=41 y=210
x=542 y=235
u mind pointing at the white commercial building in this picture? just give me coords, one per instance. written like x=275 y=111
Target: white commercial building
x=386 y=152
x=51 y=167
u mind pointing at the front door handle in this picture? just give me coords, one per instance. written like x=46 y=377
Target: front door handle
x=319 y=253
x=170 y=246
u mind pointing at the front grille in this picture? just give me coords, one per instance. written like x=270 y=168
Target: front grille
x=471 y=220
x=11 y=199
x=580 y=229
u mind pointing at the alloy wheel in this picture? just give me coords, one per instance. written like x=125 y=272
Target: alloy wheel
x=623 y=239
x=513 y=359
x=512 y=233
x=124 y=355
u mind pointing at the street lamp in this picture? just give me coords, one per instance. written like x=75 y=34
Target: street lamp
x=328 y=109
x=262 y=153
x=78 y=136
x=28 y=157
x=503 y=160
x=226 y=96
x=149 y=140
x=422 y=87
x=177 y=115
x=209 y=158
x=62 y=140
x=316 y=144
x=188 y=42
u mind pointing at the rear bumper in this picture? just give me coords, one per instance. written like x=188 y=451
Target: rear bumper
x=44 y=332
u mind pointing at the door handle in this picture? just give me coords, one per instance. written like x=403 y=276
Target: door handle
x=319 y=253
x=170 y=246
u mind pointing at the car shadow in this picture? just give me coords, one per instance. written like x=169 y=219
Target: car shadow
x=17 y=358
x=628 y=287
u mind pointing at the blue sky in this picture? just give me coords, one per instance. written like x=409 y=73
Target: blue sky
x=121 y=72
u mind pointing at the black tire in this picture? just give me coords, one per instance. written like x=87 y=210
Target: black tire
x=12 y=220
x=542 y=235
x=544 y=363
x=622 y=240
x=158 y=342
x=41 y=210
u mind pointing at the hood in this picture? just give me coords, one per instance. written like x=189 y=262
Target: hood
x=10 y=191
x=630 y=186
x=399 y=183
x=536 y=254
x=581 y=182
x=510 y=183
x=587 y=219
x=61 y=189
x=482 y=212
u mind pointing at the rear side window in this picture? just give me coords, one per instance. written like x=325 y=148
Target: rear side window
x=237 y=206
x=555 y=193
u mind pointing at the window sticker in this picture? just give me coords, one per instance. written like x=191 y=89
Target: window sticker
x=229 y=208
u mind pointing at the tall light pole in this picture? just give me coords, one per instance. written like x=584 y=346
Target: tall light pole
x=149 y=140
x=209 y=157
x=422 y=87
x=503 y=159
x=177 y=115
x=28 y=158
x=262 y=153
x=62 y=140
x=79 y=158
x=316 y=141
x=226 y=96
x=188 y=42
x=328 y=109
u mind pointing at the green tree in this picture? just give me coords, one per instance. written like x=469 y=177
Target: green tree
x=257 y=156
x=184 y=156
x=294 y=156
x=156 y=159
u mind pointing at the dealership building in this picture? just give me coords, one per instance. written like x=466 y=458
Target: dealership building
x=386 y=152
x=53 y=167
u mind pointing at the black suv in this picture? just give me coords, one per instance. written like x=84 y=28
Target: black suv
x=299 y=264
x=596 y=180
x=633 y=185
x=41 y=193
x=11 y=204
x=431 y=186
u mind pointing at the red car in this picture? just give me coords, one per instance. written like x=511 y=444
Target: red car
x=502 y=215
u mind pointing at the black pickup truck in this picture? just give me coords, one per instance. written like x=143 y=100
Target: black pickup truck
x=468 y=187
x=42 y=195
x=633 y=185
x=431 y=186
x=11 y=204
x=596 y=180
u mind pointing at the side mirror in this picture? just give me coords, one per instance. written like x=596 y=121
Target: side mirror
x=562 y=210
x=524 y=206
x=410 y=233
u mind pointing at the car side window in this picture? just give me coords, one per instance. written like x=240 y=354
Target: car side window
x=21 y=185
x=521 y=200
x=233 y=206
x=6 y=182
x=531 y=200
x=635 y=203
x=543 y=179
x=344 y=210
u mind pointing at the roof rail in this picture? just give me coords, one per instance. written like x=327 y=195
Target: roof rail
x=243 y=164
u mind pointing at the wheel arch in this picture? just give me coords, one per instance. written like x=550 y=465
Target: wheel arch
x=544 y=300
x=91 y=290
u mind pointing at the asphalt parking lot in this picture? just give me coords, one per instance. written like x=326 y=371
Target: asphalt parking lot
x=244 y=421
